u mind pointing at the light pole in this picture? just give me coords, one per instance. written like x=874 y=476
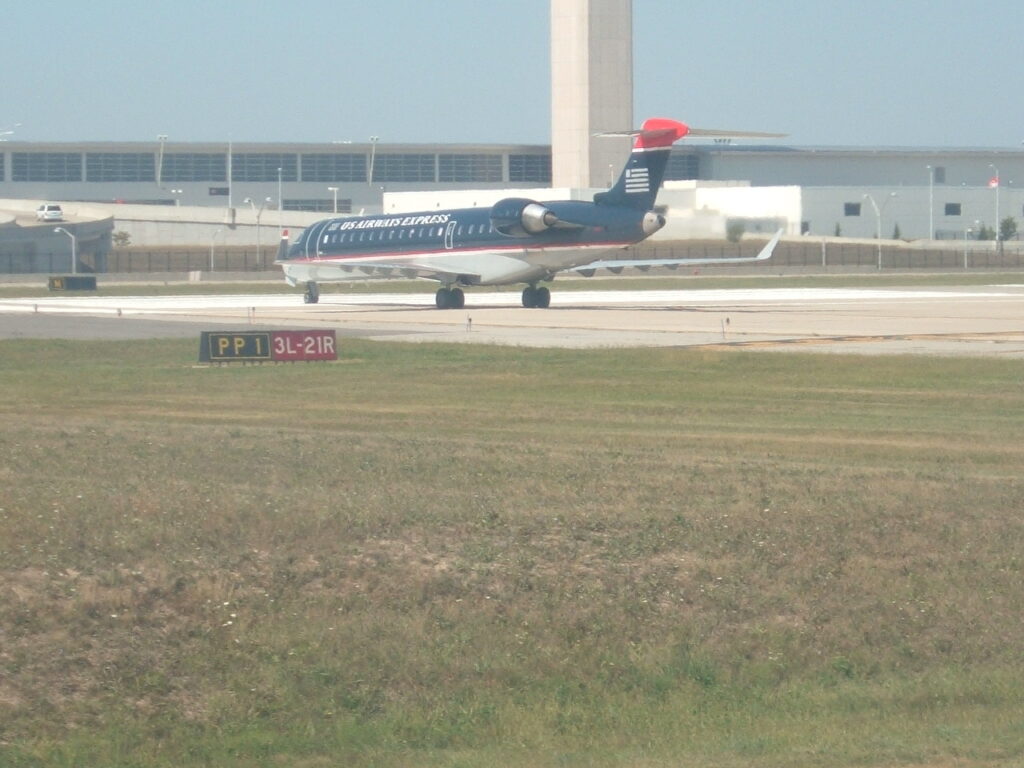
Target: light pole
x=213 y=242
x=230 y=174
x=177 y=196
x=280 y=201
x=995 y=183
x=74 y=249
x=373 y=155
x=162 y=138
x=931 y=202
x=334 y=190
x=967 y=235
x=878 y=222
x=259 y=215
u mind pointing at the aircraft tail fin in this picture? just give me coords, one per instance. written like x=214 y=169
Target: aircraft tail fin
x=282 y=248
x=641 y=179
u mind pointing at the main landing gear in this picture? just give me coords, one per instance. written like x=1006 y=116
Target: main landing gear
x=454 y=298
x=450 y=298
x=534 y=297
x=312 y=295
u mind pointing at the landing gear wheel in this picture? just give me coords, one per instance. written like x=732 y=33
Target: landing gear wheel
x=312 y=295
x=450 y=298
x=536 y=298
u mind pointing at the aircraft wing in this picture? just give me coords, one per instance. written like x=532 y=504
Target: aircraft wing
x=352 y=269
x=617 y=265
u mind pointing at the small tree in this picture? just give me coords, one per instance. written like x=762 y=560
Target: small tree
x=734 y=231
x=896 y=233
x=121 y=239
x=839 y=231
x=1008 y=228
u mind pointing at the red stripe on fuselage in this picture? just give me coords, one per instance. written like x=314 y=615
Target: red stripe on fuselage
x=365 y=256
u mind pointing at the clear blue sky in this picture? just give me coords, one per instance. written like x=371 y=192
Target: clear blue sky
x=868 y=73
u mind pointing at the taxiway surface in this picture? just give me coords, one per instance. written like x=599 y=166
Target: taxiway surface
x=968 y=320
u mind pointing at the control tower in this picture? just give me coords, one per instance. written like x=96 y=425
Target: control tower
x=591 y=90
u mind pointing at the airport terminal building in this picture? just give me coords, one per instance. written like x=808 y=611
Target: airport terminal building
x=308 y=177
x=853 y=192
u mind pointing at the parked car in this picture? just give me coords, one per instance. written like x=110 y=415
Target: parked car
x=49 y=212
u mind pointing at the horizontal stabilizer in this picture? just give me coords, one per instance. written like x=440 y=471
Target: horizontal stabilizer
x=714 y=133
x=659 y=132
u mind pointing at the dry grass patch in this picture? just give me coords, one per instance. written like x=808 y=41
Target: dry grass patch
x=449 y=556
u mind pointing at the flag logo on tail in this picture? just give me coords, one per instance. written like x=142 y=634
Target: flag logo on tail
x=637 y=180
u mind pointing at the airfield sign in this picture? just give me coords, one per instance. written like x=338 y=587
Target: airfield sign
x=267 y=346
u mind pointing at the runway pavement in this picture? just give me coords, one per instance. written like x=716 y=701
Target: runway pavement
x=974 y=320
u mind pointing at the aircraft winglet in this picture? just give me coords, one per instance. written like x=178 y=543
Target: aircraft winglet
x=617 y=264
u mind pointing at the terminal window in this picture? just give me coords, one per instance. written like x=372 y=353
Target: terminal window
x=534 y=168
x=263 y=166
x=120 y=166
x=46 y=166
x=481 y=168
x=851 y=209
x=194 y=166
x=683 y=167
x=953 y=209
x=334 y=167
x=322 y=205
x=404 y=168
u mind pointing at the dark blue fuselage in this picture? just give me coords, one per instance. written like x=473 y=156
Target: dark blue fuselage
x=465 y=229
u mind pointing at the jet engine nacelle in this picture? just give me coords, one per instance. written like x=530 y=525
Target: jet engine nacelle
x=520 y=217
x=653 y=221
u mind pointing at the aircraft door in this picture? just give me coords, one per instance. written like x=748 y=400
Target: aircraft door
x=449 y=234
x=313 y=239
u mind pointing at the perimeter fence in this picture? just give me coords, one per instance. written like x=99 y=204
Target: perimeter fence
x=806 y=254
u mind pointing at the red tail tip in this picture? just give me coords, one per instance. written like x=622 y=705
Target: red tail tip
x=660 y=132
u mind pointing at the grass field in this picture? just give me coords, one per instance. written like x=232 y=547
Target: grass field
x=431 y=555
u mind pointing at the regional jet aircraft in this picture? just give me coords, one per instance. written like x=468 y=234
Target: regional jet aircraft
x=516 y=240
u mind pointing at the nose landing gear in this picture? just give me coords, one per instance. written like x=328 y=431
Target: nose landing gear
x=312 y=295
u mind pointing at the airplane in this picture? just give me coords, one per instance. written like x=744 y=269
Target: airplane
x=517 y=240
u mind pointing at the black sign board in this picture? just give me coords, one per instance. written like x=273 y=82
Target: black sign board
x=73 y=283
x=218 y=347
